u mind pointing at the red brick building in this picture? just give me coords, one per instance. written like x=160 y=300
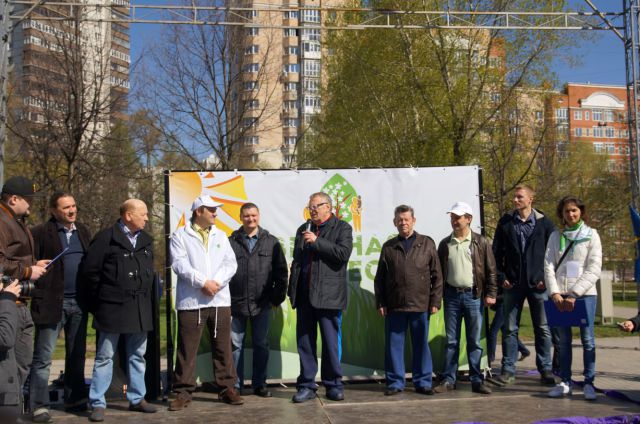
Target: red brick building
x=595 y=114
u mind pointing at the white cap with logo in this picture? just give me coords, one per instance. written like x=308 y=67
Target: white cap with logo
x=205 y=201
x=460 y=209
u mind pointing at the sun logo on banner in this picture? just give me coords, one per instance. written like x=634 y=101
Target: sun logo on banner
x=347 y=204
x=230 y=192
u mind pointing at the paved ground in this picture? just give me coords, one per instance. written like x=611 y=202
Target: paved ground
x=617 y=366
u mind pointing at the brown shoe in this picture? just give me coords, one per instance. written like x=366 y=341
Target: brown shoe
x=231 y=396
x=180 y=402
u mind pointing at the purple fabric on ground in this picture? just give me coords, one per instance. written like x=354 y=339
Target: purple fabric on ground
x=620 y=419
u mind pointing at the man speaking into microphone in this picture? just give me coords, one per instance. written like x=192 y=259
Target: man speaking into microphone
x=318 y=290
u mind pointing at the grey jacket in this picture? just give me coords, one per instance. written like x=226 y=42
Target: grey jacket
x=9 y=383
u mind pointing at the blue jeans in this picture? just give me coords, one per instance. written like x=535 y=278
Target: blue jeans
x=492 y=337
x=74 y=322
x=259 y=330
x=513 y=304
x=459 y=305
x=395 y=327
x=588 y=345
x=135 y=346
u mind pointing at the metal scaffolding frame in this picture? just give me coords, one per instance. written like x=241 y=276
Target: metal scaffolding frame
x=15 y=11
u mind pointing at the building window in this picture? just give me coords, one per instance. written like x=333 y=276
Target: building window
x=312 y=68
x=611 y=148
x=290 y=123
x=608 y=116
x=577 y=115
x=610 y=132
x=310 y=47
x=291 y=86
x=291 y=50
x=311 y=85
x=253 y=104
x=561 y=115
x=587 y=132
x=251 y=140
x=250 y=123
x=578 y=132
x=538 y=115
x=290 y=141
x=312 y=101
x=598 y=147
x=254 y=158
x=253 y=31
x=290 y=105
x=597 y=114
x=251 y=67
x=310 y=34
x=291 y=68
x=250 y=85
x=290 y=32
x=311 y=16
x=586 y=115
x=289 y=159
x=252 y=49
x=290 y=14
x=495 y=97
x=598 y=132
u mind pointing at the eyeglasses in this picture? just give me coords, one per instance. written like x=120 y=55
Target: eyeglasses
x=315 y=207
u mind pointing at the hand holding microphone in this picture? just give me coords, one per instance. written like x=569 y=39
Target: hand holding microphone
x=307 y=235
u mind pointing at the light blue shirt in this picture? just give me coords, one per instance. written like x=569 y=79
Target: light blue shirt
x=133 y=237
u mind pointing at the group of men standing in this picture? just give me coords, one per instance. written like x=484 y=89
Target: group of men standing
x=110 y=276
x=227 y=283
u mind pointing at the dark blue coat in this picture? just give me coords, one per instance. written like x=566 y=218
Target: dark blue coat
x=521 y=268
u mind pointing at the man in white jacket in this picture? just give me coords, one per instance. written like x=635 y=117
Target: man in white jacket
x=204 y=262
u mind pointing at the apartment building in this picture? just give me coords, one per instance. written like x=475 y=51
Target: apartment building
x=281 y=68
x=595 y=114
x=64 y=66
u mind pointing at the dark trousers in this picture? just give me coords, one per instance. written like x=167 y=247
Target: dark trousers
x=190 y=326
x=330 y=322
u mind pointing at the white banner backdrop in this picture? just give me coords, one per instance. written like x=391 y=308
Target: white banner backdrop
x=365 y=198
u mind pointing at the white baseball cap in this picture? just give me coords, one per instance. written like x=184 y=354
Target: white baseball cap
x=460 y=209
x=206 y=201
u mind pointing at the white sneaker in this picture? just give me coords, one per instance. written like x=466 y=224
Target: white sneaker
x=589 y=392
x=560 y=390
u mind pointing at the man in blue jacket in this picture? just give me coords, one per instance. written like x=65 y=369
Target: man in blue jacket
x=318 y=290
x=519 y=247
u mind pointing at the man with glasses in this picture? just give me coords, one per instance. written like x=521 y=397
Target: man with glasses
x=203 y=260
x=318 y=290
x=17 y=259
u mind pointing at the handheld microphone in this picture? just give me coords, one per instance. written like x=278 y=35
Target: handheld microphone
x=308 y=227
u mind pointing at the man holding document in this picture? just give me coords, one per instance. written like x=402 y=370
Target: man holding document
x=55 y=307
x=573 y=263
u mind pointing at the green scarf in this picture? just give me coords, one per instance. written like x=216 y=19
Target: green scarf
x=578 y=233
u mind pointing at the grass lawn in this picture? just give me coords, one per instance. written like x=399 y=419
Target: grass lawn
x=91 y=336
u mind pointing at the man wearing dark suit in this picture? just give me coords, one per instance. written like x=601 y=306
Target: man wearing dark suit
x=118 y=273
x=54 y=306
x=318 y=290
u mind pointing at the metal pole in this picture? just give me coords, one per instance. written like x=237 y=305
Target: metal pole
x=5 y=44
x=632 y=46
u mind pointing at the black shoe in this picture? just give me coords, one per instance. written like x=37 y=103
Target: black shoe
x=143 y=406
x=425 y=391
x=524 y=355
x=506 y=378
x=262 y=391
x=97 y=415
x=391 y=391
x=335 y=394
x=547 y=378
x=444 y=387
x=304 y=395
x=480 y=388
x=78 y=406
